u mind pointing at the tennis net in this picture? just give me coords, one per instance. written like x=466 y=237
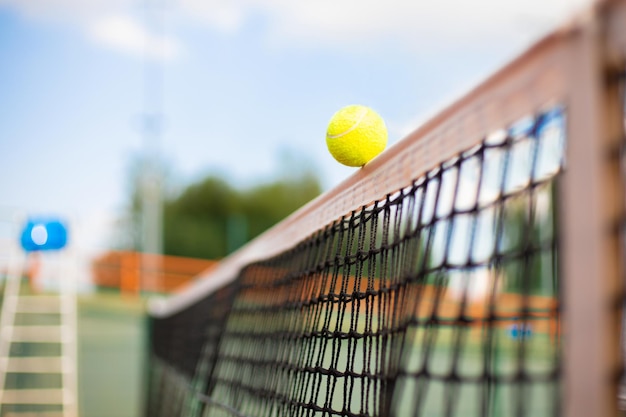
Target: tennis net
x=441 y=279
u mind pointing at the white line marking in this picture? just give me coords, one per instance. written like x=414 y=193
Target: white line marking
x=354 y=126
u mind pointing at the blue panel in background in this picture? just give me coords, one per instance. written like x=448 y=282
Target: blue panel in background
x=43 y=235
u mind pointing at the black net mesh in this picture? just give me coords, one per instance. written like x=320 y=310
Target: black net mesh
x=441 y=299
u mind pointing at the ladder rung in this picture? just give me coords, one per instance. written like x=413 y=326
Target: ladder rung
x=35 y=396
x=38 y=364
x=40 y=334
x=41 y=304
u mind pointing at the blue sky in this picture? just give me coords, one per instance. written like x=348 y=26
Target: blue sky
x=244 y=83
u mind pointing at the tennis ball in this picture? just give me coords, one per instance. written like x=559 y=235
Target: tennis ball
x=355 y=135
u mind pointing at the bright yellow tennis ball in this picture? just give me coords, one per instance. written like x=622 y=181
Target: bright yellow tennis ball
x=355 y=135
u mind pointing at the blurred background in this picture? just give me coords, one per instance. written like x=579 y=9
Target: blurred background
x=186 y=128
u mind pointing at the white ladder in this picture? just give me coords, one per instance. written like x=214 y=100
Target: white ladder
x=62 y=400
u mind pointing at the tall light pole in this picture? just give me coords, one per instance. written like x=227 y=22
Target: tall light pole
x=151 y=171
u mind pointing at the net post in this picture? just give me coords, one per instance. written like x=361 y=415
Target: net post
x=592 y=202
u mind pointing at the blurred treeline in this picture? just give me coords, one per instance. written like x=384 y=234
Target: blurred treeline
x=213 y=216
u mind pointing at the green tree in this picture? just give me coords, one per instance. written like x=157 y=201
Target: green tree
x=194 y=223
x=211 y=218
x=267 y=204
x=529 y=232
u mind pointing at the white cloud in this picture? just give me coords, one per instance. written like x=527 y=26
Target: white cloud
x=124 y=34
x=224 y=15
x=64 y=10
x=109 y=23
x=336 y=23
x=354 y=22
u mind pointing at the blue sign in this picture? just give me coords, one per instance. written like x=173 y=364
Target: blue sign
x=520 y=331
x=43 y=235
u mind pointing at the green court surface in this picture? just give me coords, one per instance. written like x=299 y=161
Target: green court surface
x=112 y=336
